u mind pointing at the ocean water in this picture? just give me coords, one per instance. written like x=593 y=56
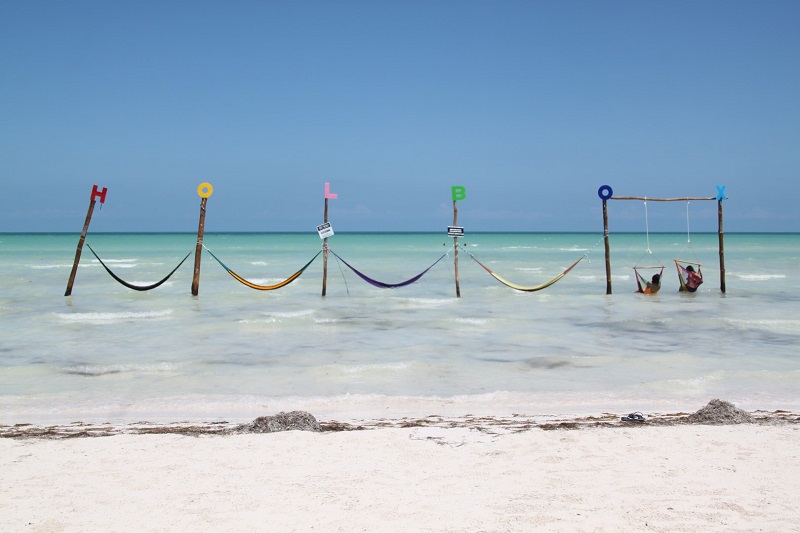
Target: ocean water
x=110 y=354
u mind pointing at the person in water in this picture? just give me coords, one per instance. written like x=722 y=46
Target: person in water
x=653 y=285
x=693 y=279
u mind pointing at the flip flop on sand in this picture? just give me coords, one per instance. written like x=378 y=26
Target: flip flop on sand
x=633 y=417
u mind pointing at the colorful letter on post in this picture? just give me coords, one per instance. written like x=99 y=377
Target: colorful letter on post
x=459 y=193
x=328 y=193
x=99 y=194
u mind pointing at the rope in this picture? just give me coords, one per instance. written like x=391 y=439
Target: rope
x=647 y=226
x=341 y=271
x=688 y=239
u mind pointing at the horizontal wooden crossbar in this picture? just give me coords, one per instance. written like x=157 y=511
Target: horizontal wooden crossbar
x=661 y=199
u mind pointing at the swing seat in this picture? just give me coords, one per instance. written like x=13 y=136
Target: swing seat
x=689 y=278
x=645 y=286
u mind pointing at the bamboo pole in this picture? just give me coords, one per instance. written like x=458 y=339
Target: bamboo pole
x=325 y=252
x=721 y=234
x=455 y=245
x=204 y=190
x=82 y=239
x=607 y=246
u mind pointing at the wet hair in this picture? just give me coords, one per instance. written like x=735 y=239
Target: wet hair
x=690 y=268
x=656 y=278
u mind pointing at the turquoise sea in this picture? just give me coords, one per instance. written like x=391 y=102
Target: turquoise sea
x=110 y=354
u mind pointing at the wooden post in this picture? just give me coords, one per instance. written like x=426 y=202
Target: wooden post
x=204 y=190
x=455 y=245
x=721 y=234
x=325 y=253
x=329 y=231
x=608 y=247
x=102 y=196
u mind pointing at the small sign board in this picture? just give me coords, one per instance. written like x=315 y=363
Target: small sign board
x=455 y=231
x=325 y=230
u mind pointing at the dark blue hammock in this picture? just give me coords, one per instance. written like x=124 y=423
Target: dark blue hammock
x=380 y=284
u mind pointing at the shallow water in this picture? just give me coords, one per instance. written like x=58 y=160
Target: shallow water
x=108 y=353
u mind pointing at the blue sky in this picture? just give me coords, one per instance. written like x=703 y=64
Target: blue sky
x=529 y=105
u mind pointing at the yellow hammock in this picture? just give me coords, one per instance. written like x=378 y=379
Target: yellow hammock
x=252 y=285
x=523 y=287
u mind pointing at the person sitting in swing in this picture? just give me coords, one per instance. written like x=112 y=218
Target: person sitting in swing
x=653 y=285
x=693 y=279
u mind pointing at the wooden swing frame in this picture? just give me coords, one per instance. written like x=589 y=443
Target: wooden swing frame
x=720 y=231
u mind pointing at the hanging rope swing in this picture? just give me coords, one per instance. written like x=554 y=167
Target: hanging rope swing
x=690 y=277
x=644 y=285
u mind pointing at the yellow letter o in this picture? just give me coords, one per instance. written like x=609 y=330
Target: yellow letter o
x=205 y=189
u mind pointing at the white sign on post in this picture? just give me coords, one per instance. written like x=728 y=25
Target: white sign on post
x=325 y=230
x=455 y=231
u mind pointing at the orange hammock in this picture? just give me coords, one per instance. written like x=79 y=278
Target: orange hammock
x=524 y=288
x=252 y=285
x=648 y=286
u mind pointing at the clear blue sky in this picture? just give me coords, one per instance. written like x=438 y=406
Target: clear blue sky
x=531 y=105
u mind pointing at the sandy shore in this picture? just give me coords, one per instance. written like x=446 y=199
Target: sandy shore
x=424 y=475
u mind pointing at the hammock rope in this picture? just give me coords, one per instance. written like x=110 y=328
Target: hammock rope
x=641 y=282
x=524 y=288
x=380 y=284
x=647 y=226
x=683 y=271
x=257 y=287
x=688 y=239
x=131 y=285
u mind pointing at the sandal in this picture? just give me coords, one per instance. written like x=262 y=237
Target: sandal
x=633 y=417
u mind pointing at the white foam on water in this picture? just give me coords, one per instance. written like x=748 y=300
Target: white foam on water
x=263 y=321
x=114 y=316
x=101 y=370
x=775 y=323
x=121 y=262
x=473 y=321
x=425 y=302
x=361 y=369
x=45 y=267
x=291 y=314
x=760 y=277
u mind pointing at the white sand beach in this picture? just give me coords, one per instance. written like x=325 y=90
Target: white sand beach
x=609 y=476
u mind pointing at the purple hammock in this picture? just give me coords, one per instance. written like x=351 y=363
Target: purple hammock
x=380 y=284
